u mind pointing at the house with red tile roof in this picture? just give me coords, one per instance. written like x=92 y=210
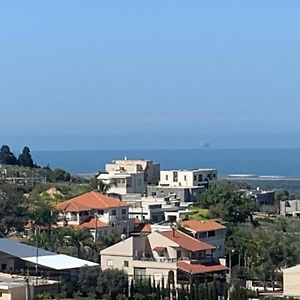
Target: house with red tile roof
x=162 y=254
x=102 y=215
x=208 y=231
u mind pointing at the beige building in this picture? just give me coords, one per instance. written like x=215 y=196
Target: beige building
x=290 y=208
x=291 y=282
x=97 y=212
x=20 y=288
x=187 y=178
x=149 y=168
x=172 y=255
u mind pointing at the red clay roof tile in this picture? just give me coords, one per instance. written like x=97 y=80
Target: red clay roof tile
x=199 y=268
x=202 y=226
x=90 y=223
x=89 y=201
x=185 y=241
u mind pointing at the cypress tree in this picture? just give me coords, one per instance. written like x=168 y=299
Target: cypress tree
x=25 y=158
x=7 y=157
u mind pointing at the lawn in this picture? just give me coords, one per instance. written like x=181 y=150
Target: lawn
x=199 y=213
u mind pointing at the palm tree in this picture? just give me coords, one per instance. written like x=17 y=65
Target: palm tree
x=77 y=238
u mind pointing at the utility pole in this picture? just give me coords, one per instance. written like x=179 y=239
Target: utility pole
x=36 y=257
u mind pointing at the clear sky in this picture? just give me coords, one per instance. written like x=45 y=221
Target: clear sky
x=149 y=74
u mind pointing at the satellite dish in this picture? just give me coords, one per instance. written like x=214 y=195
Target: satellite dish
x=123 y=236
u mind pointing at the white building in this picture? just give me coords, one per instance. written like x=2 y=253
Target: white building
x=187 y=178
x=123 y=183
x=156 y=209
x=97 y=212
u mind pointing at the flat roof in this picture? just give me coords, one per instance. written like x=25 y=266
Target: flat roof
x=43 y=257
x=189 y=170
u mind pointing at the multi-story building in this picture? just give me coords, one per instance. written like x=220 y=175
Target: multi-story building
x=186 y=185
x=172 y=255
x=182 y=193
x=156 y=209
x=122 y=182
x=101 y=214
x=210 y=232
x=149 y=168
x=187 y=178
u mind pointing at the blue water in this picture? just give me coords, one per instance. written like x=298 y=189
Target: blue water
x=275 y=162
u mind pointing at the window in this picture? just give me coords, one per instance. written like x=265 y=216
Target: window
x=113 y=212
x=139 y=182
x=200 y=178
x=124 y=211
x=126 y=263
x=184 y=177
x=100 y=212
x=110 y=263
x=167 y=177
x=139 y=272
x=195 y=178
x=202 y=235
x=178 y=254
x=175 y=176
x=211 y=233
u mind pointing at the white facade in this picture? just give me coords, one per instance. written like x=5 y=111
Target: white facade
x=116 y=221
x=107 y=215
x=156 y=209
x=123 y=183
x=187 y=178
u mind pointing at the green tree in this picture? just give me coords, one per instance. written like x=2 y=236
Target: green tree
x=12 y=208
x=7 y=157
x=224 y=201
x=77 y=240
x=58 y=174
x=25 y=158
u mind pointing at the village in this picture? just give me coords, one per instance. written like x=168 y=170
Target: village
x=150 y=227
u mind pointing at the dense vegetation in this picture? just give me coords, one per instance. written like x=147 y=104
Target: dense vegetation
x=258 y=248
x=93 y=283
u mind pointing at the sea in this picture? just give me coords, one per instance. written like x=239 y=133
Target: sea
x=272 y=163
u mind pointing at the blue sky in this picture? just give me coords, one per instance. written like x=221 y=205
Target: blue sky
x=149 y=74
